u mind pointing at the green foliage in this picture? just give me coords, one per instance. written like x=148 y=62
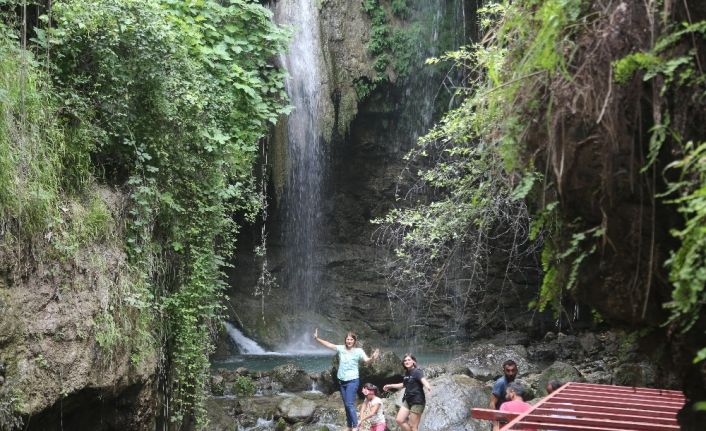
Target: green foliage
x=166 y=100
x=561 y=268
x=80 y=224
x=379 y=38
x=399 y=8
x=244 y=386
x=597 y=317
x=403 y=45
x=281 y=425
x=688 y=263
x=625 y=68
x=31 y=147
x=381 y=63
x=473 y=168
x=9 y=406
x=679 y=69
x=363 y=87
x=676 y=69
x=369 y=6
x=399 y=45
x=108 y=333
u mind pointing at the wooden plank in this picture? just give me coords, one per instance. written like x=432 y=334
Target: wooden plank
x=590 y=407
x=621 y=397
x=598 y=401
x=627 y=389
x=623 y=394
x=655 y=411
x=492 y=414
x=607 y=424
x=563 y=427
x=556 y=408
x=609 y=416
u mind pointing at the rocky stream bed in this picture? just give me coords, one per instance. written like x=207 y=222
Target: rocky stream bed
x=283 y=399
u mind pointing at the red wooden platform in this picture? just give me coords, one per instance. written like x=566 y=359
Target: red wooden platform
x=593 y=407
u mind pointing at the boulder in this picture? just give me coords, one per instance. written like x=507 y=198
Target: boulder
x=485 y=361
x=598 y=371
x=329 y=414
x=510 y=338
x=386 y=369
x=434 y=370
x=629 y=374
x=259 y=407
x=217 y=384
x=266 y=385
x=544 y=352
x=568 y=346
x=295 y=409
x=292 y=378
x=449 y=405
x=222 y=413
x=590 y=343
x=560 y=371
x=326 y=381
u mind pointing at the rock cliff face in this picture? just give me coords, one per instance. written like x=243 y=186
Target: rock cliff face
x=59 y=342
x=351 y=280
x=366 y=136
x=596 y=151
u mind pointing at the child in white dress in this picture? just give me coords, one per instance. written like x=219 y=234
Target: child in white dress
x=372 y=411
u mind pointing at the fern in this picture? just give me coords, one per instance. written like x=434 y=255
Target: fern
x=688 y=263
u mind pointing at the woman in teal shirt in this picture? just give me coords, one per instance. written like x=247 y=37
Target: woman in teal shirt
x=349 y=358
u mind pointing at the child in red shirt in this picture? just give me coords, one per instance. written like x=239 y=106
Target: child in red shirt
x=514 y=403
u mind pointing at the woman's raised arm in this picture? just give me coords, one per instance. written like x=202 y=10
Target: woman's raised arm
x=323 y=342
x=373 y=356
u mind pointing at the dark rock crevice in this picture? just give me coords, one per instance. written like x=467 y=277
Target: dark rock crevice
x=98 y=409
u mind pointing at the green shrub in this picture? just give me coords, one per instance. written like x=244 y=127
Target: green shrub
x=399 y=8
x=244 y=386
x=31 y=145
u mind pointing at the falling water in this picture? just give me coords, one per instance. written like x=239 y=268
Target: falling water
x=307 y=154
x=444 y=24
x=245 y=344
x=306 y=158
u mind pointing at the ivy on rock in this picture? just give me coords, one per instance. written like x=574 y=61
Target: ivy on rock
x=166 y=100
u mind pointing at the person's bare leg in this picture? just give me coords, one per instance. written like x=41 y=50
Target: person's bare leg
x=402 y=419
x=414 y=421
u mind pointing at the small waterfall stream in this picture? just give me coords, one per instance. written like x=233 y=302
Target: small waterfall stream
x=245 y=344
x=444 y=24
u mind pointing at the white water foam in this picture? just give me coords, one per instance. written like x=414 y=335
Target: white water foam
x=245 y=344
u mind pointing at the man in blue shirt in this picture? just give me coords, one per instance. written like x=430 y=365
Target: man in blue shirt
x=497 y=397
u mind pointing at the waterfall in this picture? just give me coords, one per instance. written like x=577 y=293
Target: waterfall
x=245 y=344
x=443 y=23
x=306 y=159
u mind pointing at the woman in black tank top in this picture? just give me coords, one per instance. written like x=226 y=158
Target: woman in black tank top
x=414 y=398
